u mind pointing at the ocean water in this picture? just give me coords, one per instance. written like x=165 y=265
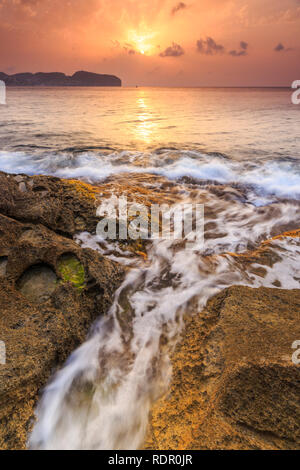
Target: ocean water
x=228 y=135
x=237 y=151
x=239 y=122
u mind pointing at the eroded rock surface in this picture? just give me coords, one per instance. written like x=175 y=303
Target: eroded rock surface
x=37 y=283
x=234 y=383
x=65 y=206
x=51 y=290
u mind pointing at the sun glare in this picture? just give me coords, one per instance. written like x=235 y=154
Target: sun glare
x=141 y=42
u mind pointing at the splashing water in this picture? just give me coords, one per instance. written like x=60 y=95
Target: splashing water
x=249 y=184
x=280 y=176
x=102 y=397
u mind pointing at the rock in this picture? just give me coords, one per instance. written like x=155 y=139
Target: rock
x=22 y=187
x=51 y=291
x=234 y=383
x=71 y=270
x=79 y=224
x=37 y=283
x=19 y=178
x=64 y=206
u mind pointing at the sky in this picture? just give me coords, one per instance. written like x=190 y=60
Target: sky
x=155 y=42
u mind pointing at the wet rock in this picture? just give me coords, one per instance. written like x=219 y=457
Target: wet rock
x=234 y=383
x=37 y=283
x=51 y=291
x=64 y=206
x=22 y=187
x=79 y=224
x=71 y=270
x=19 y=178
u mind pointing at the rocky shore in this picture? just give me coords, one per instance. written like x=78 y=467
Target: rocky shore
x=234 y=384
x=51 y=290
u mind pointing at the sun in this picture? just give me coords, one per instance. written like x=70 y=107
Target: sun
x=141 y=41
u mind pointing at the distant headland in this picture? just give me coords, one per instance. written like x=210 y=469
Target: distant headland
x=60 y=79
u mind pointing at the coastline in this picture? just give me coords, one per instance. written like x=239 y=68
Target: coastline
x=233 y=386
x=51 y=289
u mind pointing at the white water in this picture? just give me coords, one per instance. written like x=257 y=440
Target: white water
x=279 y=177
x=101 y=398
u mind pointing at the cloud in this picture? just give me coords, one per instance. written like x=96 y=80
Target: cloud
x=235 y=53
x=172 y=51
x=242 y=52
x=244 y=45
x=281 y=48
x=129 y=49
x=178 y=7
x=208 y=46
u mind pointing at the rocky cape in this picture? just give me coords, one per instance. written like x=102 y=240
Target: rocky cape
x=80 y=78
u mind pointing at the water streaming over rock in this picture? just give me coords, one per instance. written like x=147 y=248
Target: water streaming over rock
x=102 y=397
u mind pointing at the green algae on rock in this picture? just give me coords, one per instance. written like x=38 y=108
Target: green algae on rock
x=71 y=270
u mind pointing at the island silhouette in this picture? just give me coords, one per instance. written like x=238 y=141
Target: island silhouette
x=80 y=78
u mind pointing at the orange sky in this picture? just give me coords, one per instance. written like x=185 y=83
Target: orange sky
x=155 y=42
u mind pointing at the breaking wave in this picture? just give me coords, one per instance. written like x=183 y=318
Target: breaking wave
x=279 y=177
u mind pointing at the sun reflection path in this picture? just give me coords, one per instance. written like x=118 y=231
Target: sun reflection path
x=146 y=125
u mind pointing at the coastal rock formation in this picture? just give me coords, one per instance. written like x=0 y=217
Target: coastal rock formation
x=234 y=384
x=64 y=206
x=60 y=79
x=51 y=290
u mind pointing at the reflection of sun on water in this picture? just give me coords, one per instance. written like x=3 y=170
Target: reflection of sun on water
x=146 y=125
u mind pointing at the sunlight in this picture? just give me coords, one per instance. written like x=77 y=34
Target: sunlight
x=145 y=128
x=141 y=41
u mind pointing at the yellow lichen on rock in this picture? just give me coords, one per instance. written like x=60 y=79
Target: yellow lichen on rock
x=234 y=383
